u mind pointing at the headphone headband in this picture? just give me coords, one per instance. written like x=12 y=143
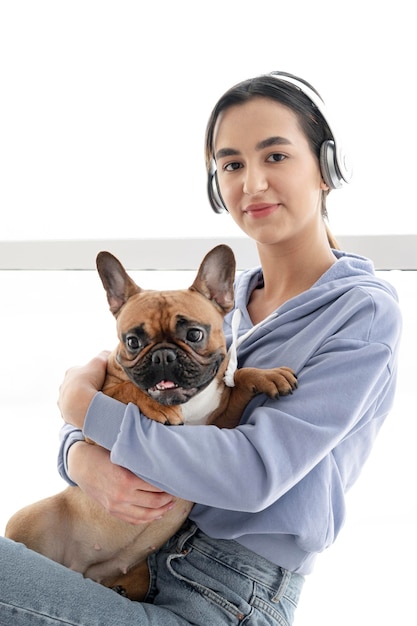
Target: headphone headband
x=334 y=164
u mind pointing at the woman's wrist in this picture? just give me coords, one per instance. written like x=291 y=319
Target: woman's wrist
x=75 y=460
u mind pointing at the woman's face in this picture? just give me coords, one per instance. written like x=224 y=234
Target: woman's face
x=268 y=176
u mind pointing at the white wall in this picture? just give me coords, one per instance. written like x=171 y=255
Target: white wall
x=104 y=104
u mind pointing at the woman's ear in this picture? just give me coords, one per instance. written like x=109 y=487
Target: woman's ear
x=324 y=186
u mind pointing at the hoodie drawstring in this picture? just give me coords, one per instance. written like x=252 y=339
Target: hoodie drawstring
x=229 y=376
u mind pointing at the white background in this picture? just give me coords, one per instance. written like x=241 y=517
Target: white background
x=103 y=107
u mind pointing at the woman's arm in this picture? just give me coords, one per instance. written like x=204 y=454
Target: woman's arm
x=345 y=392
x=346 y=388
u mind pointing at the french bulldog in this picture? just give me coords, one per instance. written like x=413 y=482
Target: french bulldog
x=170 y=360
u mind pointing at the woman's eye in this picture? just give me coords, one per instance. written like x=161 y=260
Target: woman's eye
x=132 y=342
x=276 y=157
x=194 y=335
x=231 y=167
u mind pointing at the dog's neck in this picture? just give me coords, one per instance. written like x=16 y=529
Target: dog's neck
x=197 y=410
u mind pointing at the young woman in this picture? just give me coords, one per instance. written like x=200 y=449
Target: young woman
x=270 y=494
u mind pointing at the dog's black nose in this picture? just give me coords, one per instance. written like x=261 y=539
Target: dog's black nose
x=163 y=356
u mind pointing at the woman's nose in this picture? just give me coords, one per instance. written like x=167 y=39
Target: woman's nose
x=255 y=181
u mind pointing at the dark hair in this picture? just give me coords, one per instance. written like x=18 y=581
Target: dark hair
x=310 y=119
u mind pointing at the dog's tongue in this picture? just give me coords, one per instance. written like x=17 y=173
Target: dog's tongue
x=165 y=384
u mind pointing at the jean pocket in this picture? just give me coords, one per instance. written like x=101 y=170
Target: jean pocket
x=226 y=595
x=212 y=582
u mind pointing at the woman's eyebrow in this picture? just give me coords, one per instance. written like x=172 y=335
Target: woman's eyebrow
x=272 y=141
x=225 y=152
x=265 y=143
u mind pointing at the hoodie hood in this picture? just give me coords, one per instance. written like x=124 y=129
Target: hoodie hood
x=349 y=272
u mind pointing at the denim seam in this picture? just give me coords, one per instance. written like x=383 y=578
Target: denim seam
x=53 y=620
x=263 y=606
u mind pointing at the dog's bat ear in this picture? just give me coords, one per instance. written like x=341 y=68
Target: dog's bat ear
x=117 y=283
x=215 y=277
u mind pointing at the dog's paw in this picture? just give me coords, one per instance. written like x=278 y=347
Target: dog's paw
x=168 y=415
x=275 y=382
x=283 y=379
x=120 y=590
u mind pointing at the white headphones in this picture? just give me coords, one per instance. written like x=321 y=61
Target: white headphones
x=334 y=164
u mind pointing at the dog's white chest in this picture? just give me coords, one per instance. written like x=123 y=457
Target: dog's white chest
x=197 y=410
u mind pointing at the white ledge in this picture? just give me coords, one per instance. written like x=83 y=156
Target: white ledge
x=388 y=252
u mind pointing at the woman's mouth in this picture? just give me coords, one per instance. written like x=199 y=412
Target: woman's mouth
x=261 y=209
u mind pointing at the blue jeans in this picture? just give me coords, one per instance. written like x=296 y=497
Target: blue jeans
x=194 y=580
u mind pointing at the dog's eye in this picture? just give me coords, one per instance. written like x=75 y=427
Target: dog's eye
x=194 y=335
x=132 y=343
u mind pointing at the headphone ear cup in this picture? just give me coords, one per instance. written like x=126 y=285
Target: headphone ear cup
x=215 y=197
x=328 y=165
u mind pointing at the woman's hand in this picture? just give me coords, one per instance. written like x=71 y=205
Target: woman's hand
x=120 y=492
x=79 y=387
